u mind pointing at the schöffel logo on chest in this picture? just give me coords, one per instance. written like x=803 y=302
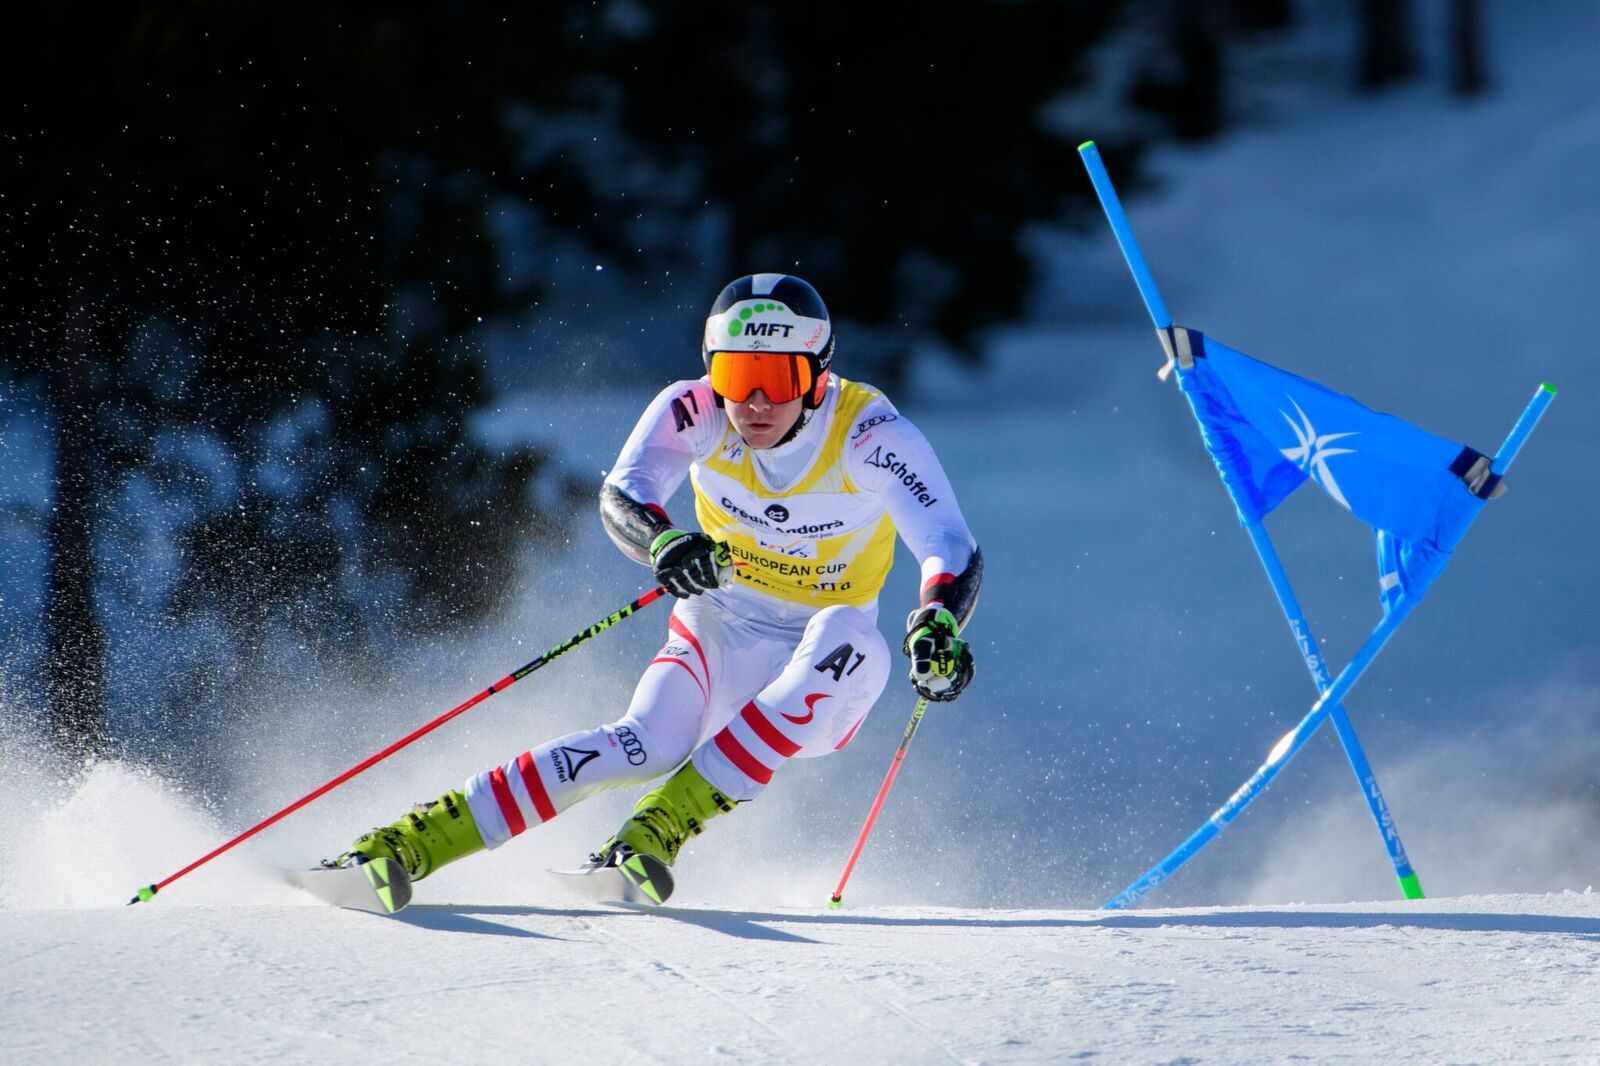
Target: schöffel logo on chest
x=776 y=519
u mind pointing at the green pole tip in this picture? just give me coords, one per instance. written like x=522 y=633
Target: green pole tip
x=144 y=895
x=1547 y=387
x=1085 y=146
x=835 y=903
x=1411 y=886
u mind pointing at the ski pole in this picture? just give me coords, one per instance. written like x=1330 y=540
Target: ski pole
x=877 y=804
x=149 y=891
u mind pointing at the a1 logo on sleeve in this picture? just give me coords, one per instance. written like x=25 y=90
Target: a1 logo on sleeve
x=681 y=410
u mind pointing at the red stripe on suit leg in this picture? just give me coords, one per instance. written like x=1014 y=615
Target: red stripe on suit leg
x=508 y=803
x=729 y=745
x=767 y=731
x=683 y=631
x=536 y=792
x=680 y=662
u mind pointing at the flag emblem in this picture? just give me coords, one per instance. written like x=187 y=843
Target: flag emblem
x=1312 y=453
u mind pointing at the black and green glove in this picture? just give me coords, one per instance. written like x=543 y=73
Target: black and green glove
x=690 y=563
x=941 y=665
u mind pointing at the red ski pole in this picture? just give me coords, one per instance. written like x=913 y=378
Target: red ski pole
x=506 y=682
x=877 y=804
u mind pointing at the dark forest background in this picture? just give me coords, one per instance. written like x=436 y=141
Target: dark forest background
x=252 y=253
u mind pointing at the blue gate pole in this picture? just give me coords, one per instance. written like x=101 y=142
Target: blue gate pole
x=1295 y=739
x=1119 y=226
x=1277 y=759
x=1410 y=885
x=1157 y=307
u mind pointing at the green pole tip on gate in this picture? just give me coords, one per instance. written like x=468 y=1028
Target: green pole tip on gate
x=1411 y=886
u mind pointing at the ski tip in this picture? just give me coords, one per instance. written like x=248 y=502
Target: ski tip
x=1085 y=146
x=381 y=886
x=390 y=883
x=649 y=875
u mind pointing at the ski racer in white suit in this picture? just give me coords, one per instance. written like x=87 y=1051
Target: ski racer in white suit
x=801 y=480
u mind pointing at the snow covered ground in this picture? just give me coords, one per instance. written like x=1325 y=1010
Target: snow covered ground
x=1481 y=979
x=1433 y=259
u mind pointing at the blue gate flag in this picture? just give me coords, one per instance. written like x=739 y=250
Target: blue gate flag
x=1270 y=431
x=1382 y=469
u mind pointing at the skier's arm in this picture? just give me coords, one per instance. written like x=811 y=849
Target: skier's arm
x=956 y=593
x=682 y=424
x=894 y=459
x=631 y=525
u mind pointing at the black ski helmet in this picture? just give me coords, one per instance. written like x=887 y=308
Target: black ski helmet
x=772 y=313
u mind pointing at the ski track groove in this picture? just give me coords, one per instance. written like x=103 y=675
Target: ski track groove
x=624 y=948
x=906 y=1016
x=30 y=956
x=517 y=981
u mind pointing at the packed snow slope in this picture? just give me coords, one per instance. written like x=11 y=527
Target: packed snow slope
x=1486 y=979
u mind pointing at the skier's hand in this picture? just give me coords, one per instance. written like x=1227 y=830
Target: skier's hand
x=690 y=563
x=941 y=665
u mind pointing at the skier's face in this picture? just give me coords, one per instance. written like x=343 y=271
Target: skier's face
x=759 y=421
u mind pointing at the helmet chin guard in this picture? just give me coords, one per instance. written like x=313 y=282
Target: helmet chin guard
x=777 y=313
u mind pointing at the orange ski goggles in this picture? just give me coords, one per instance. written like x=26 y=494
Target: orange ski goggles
x=782 y=376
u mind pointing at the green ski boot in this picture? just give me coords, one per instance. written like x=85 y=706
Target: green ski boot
x=423 y=840
x=665 y=817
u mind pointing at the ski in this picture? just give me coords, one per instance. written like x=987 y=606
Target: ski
x=381 y=886
x=638 y=879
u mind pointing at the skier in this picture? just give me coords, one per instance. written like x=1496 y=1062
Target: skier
x=801 y=480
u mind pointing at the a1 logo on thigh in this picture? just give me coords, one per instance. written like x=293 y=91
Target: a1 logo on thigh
x=841 y=661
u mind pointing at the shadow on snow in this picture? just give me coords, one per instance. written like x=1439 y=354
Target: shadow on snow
x=760 y=925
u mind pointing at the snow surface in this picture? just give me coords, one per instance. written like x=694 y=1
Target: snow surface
x=1433 y=259
x=236 y=966
x=1484 y=979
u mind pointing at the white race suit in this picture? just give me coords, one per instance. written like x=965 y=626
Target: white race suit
x=787 y=661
